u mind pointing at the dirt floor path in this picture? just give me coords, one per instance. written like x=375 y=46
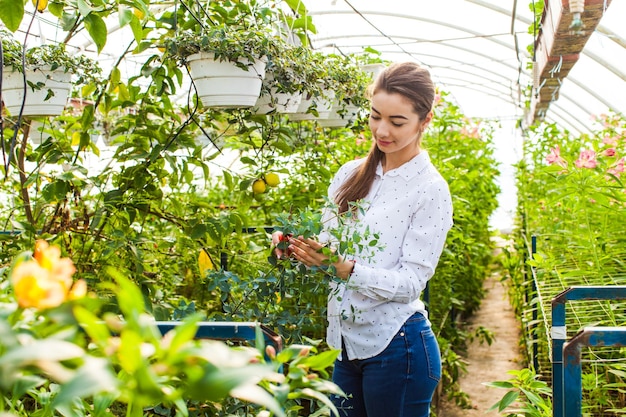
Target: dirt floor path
x=488 y=363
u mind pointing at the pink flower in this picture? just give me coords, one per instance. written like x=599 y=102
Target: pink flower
x=617 y=169
x=587 y=159
x=609 y=152
x=555 y=157
x=610 y=140
x=472 y=133
x=437 y=99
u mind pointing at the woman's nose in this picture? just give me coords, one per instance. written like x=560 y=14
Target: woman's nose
x=382 y=130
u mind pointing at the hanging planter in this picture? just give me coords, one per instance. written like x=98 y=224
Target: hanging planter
x=288 y=76
x=226 y=84
x=46 y=92
x=349 y=82
x=340 y=116
x=314 y=108
x=48 y=70
x=226 y=62
x=275 y=102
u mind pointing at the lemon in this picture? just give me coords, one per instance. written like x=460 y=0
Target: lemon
x=258 y=186
x=137 y=12
x=272 y=179
x=41 y=6
x=205 y=262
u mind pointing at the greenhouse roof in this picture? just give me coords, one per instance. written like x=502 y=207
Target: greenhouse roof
x=480 y=51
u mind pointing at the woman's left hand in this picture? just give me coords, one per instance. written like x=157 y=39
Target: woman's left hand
x=308 y=251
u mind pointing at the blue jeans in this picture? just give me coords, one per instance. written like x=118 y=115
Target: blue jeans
x=398 y=382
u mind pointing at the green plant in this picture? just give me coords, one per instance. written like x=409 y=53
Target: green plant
x=227 y=43
x=63 y=352
x=572 y=196
x=291 y=70
x=347 y=80
x=50 y=57
x=233 y=31
x=528 y=396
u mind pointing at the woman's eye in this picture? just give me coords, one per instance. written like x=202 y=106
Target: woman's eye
x=398 y=124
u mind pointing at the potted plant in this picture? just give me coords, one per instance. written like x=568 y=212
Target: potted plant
x=40 y=78
x=286 y=79
x=349 y=82
x=318 y=94
x=226 y=63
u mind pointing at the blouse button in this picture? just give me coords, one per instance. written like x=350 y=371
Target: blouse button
x=402 y=334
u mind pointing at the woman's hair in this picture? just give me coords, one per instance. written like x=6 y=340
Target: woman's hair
x=411 y=81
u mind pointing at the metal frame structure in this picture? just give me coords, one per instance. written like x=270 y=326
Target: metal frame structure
x=566 y=386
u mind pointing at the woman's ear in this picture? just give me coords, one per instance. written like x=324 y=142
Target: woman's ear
x=427 y=119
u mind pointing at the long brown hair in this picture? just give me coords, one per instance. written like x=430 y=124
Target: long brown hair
x=413 y=82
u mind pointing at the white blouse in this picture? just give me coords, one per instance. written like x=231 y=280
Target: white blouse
x=410 y=208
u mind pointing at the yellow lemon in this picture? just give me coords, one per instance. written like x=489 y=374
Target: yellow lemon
x=272 y=179
x=205 y=262
x=41 y=5
x=258 y=186
x=138 y=12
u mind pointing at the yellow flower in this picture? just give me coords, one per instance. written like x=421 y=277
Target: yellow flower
x=34 y=286
x=46 y=280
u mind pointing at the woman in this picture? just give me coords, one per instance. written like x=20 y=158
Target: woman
x=390 y=362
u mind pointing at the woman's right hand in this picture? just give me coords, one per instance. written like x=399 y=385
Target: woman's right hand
x=280 y=245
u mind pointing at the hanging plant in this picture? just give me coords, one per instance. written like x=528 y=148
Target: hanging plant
x=44 y=73
x=51 y=56
x=227 y=54
x=349 y=82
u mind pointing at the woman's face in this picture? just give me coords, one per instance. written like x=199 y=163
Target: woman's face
x=395 y=126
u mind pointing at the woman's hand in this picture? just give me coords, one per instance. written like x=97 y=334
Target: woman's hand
x=280 y=245
x=310 y=253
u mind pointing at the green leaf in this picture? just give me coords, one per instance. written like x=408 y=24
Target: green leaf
x=507 y=400
x=97 y=30
x=137 y=28
x=311 y=393
x=217 y=383
x=46 y=350
x=125 y=16
x=500 y=384
x=92 y=325
x=184 y=332
x=25 y=383
x=322 y=360
x=257 y=395
x=12 y=13
x=55 y=191
x=129 y=296
x=94 y=377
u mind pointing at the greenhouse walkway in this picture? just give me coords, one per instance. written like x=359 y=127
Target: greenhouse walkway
x=488 y=363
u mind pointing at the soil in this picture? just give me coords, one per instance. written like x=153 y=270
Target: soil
x=488 y=363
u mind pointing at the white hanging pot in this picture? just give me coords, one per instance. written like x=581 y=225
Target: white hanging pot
x=277 y=102
x=224 y=84
x=48 y=97
x=335 y=119
x=323 y=104
x=36 y=133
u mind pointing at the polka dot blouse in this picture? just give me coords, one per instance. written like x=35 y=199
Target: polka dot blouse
x=411 y=209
